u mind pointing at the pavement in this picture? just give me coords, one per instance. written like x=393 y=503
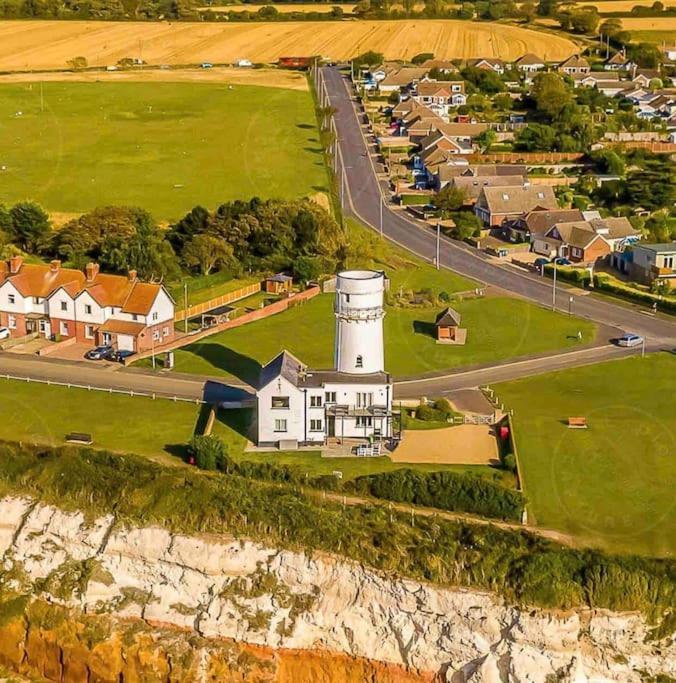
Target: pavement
x=363 y=198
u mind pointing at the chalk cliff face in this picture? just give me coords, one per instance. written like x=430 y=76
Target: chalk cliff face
x=96 y=601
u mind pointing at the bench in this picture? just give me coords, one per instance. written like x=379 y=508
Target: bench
x=80 y=438
x=577 y=423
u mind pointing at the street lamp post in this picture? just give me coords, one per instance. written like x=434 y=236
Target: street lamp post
x=643 y=347
x=570 y=305
x=554 y=289
x=438 y=243
x=382 y=201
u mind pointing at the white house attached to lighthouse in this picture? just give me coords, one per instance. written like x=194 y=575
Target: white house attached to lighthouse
x=301 y=406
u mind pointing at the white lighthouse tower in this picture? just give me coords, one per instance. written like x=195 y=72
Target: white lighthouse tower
x=359 y=322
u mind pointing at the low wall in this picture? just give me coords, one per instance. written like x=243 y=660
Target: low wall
x=654 y=147
x=53 y=348
x=222 y=300
x=528 y=158
x=258 y=314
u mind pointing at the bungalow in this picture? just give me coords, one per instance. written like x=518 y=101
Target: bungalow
x=442 y=65
x=590 y=80
x=574 y=65
x=401 y=78
x=618 y=62
x=92 y=307
x=440 y=96
x=497 y=204
x=443 y=174
x=644 y=77
x=472 y=186
x=496 y=65
x=529 y=63
x=538 y=222
x=652 y=262
x=669 y=52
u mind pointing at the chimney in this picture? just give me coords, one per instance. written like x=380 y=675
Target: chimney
x=92 y=270
x=132 y=275
x=55 y=265
x=15 y=264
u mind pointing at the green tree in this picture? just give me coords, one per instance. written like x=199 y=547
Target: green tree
x=646 y=55
x=369 y=58
x=207 y=252
x=30 y=226
x=486 y=139
x=551 y=95
x=536 y=137
x=547 y=8
x=449 y=198
x=585 y=20
x=78 y=63
x=422 y=57
x=610 y=27
x=528 y=11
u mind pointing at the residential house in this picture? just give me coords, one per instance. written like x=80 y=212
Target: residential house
x=537 y=223
x=472 y=186
x=401 y=78
x=644 y=77
x=442 y=65
x=590 y=80
x=574 y=65
x=440 y=96
x=496 y=65
x=652 y=262
x=92 y=307
x=618 y=62
x=445 y=173
x=529 y=63
x=585 y=241
x=669 y=52
x=497 y=204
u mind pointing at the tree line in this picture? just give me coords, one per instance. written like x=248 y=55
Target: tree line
x=240 y=236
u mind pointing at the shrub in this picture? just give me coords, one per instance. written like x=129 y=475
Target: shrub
x=603 y=283
x=209 y=453
x=509 y=462
x=445 y=490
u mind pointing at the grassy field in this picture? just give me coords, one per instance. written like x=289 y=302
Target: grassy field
x=657 y=37
x=45 y=414
x=163 y=146
x=613 y=483
x=499 y=328
x=26 y=45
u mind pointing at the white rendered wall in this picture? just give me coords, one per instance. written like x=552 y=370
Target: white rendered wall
x=359 y=322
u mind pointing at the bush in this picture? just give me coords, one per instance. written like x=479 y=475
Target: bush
x=604 y=284
x=209 y=453
x=445 y=490
x=509 y=462
x=430 y=414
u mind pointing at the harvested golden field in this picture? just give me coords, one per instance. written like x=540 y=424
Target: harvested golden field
x=269 y=77
x=623 y=5
x=285 y=8
x=50 y=44
x=650 y=24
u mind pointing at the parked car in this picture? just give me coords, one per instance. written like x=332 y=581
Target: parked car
x=630 y=340
x=207 y=65
x=561 y=261
x=5 y=333
x=100 y=353
x=540 y=262
x=120 y=355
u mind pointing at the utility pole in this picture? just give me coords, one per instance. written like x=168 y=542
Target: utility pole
x=185 y=306
x=554 y=289
x=570 y=305
x=643 y=347
x=438 y=243
x=382 y=201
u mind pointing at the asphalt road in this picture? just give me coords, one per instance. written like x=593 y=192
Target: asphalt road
x=363 y=199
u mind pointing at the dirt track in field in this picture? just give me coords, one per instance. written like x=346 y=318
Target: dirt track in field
x=274 y=78
x=50 y=44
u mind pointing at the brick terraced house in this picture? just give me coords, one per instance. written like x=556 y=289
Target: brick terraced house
x=93 y=307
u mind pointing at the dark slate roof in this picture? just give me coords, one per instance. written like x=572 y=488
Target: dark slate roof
x=284 y=365
x=280 y=277
x=448 y=318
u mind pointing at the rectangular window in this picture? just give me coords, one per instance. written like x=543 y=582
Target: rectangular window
x=63 y=329
x=364 y=399
x=316 y=426
x=280 y=425
x=364 y=421
x=88 y=309
x=89 y=331
x=315 y=401
x=165 y=331
x=155 y=316
x=330 y=397
x=280 y=401
x=11 y=322
x=11 y=298
x=37 y=300
x=156 y=335
x=134 y=316
x=64 y=305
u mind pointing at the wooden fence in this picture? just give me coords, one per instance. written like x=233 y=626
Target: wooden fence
x=222 y=300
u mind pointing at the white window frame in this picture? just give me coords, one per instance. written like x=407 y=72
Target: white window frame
x=315 y=401
x=281 y=425
x=11 y=298
x=364 y=421
x=63 y=328
x=11 y=322
x=89 y=331
x=64 y=305
x=316 y=426
x=88 y=309
x=280 y=399
x=155 y=316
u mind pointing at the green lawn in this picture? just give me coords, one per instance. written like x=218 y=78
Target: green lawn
x=202 y=288
x=232 y=425
x=613 y=483
x=499 y=328
x=657 y=37
x=42 y=413
x=163 y=146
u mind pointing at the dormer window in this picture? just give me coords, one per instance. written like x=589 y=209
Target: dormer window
x=541 y=195
x=359 y=362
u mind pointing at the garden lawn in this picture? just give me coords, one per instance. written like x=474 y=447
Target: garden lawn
x=612 y=484
x=165 y=147
x=232 y=425
x=40 y=413
x=499 y=328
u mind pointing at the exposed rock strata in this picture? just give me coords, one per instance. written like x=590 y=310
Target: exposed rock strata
x=152 y=605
